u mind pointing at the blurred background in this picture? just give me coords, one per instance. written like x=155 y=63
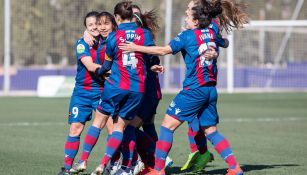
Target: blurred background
x=37 y=39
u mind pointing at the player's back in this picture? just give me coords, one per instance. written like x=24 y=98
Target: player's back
x=193 y=43
x=128 y=69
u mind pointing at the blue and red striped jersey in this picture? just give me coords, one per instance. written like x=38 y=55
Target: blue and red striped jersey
x=128 y=69
x=192 y=44
x=84 y=79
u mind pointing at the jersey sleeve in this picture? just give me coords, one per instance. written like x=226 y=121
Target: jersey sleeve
x=110 y=47
x=178 y=43
x=82 y=49
x=219 y=40
x=148 y=39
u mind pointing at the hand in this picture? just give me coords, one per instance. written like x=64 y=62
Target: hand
x=107 y=75
x=157 y=69
x=88 y=38
x=211 y=54
x=127 y=47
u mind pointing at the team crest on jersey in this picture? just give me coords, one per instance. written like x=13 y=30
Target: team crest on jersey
x=80 y=48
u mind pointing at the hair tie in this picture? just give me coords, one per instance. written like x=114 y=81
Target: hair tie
x=137 y=16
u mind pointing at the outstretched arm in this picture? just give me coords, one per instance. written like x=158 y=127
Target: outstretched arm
x=151 y=50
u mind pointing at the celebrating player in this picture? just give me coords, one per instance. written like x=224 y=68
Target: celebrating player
x=105 y=24
x=125 y=87
x=199 y=96
x=87 y=90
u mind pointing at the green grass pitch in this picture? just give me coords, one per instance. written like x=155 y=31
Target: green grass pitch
x=268 y=134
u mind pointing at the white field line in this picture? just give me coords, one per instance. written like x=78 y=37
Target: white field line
x=241 y=120
x=33 y=124
x=234 y=120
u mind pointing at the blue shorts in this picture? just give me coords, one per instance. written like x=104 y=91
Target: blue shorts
x=118 y=102
x=82 y=104
x=148 y=108
x=192 y=103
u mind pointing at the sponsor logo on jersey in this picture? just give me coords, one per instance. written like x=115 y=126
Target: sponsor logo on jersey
x=80 y=48
x=130 y=36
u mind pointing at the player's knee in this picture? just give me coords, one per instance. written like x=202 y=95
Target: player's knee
x=209 y=129
x=171 y=123
x=100 y=120
x=76 y=129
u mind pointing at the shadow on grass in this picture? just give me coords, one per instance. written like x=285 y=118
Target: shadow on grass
x=245 y=168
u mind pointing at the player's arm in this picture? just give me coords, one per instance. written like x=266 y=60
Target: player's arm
x=148 y=48
x=220 y=41
x=88 y=38
x=154 y=64
x=106 y=66
x=211 y=53
x=89 y=64
x=83 y=54
x=151 y=50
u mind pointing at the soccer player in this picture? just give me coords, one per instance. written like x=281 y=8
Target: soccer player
x=199 y=155
x=87 y=90
x=199 y=96
x=146 y=139
x=124 y=89
x=105 y=25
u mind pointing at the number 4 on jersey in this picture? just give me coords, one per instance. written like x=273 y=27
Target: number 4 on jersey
x=130 y=60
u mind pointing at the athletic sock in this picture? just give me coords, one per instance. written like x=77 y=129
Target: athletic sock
x=163 y=147
x=145 y=147
x=222 y=146
x=201 y=142
x=90 y=141
x=71 y=150
x=192 y=142
x=128 y=146
x=112 y=146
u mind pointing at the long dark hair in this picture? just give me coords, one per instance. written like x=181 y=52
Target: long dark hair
x=233 y=14
x=205 y=12
x=148 y=20
x=124 y=10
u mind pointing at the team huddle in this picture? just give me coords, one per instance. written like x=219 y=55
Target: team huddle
x=117 y=77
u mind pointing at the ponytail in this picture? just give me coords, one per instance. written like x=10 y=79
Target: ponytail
x=148 y=20
x=233 y=15
x=124 y=10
